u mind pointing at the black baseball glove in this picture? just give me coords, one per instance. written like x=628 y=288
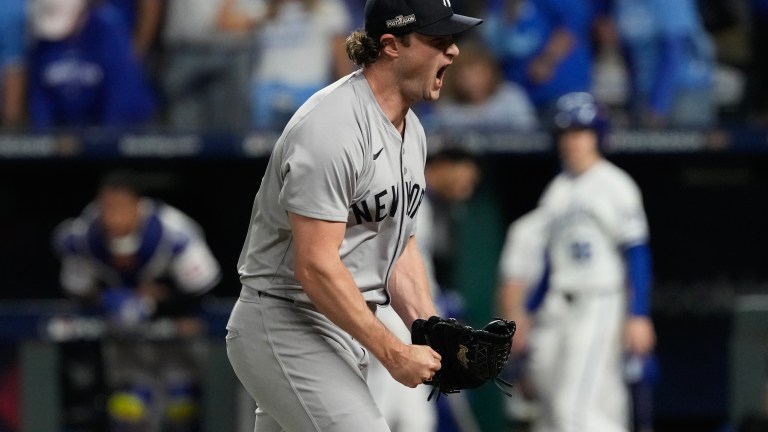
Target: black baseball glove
x=470 y=357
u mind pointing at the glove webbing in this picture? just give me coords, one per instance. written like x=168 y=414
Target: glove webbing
x=498 y=357
x=497 y=381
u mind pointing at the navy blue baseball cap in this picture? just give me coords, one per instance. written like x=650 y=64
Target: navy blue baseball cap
x=428 y=17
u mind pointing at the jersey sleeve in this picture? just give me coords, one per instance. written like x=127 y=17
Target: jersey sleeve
x=77 y=276
x=522 y=258
x=639 y=275
x=320 y=170
x=630 y=223
x=195 y=269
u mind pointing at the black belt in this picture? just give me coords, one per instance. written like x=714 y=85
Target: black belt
x=572 y=296
x=285 y=299
x=371 y=306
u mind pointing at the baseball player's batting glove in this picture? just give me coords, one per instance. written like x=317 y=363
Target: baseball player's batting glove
x=470 y=357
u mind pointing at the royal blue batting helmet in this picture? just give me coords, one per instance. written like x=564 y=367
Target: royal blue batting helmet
x=579 y=110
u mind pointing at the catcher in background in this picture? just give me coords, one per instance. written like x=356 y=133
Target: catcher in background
x=331 y=234
x=592 y=305
x=143 y=264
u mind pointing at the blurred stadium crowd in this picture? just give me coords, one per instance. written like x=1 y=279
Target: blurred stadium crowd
x=247 y=64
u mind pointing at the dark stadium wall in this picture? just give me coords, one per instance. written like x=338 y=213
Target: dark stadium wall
x=706 y=211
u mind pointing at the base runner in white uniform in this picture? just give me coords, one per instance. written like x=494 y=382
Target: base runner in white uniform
x=332 y=232
x=593 y=303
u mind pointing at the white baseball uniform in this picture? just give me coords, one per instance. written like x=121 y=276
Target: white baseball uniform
x=338 y=159
x=522 y=258
x=575 y=341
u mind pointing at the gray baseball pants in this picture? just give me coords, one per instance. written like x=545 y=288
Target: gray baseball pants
x=303 y=372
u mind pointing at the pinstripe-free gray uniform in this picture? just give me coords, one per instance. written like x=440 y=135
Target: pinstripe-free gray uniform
x=339 y=159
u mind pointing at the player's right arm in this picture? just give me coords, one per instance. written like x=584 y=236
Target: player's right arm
x=77 y=275
x=510 y=296
x=332 y=289
x=523 y=273
x=639 y=333
x=77 y=278
x=631 y=233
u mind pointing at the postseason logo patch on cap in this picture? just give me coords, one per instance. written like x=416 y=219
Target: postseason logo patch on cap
x=401 y=21
x=429 y=17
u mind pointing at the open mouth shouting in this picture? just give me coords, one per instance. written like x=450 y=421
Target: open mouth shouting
x=441 y=75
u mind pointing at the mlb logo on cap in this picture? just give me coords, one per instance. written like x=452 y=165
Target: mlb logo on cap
x=428 y=17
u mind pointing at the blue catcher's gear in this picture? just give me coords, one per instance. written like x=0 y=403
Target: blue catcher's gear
x=183 y=408
x=129 y=409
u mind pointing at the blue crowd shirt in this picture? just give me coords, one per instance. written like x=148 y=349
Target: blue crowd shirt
x=89 y=79
x=12 y=32
x=517 y=42
x=128 y=10
x=667 y=47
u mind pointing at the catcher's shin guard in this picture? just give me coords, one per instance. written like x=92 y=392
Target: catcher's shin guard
x=129 y=410
x=182 y=413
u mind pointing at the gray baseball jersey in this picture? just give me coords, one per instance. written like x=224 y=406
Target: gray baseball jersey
x=339 y=159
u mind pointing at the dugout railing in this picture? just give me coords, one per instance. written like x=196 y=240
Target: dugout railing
x=41 y=327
